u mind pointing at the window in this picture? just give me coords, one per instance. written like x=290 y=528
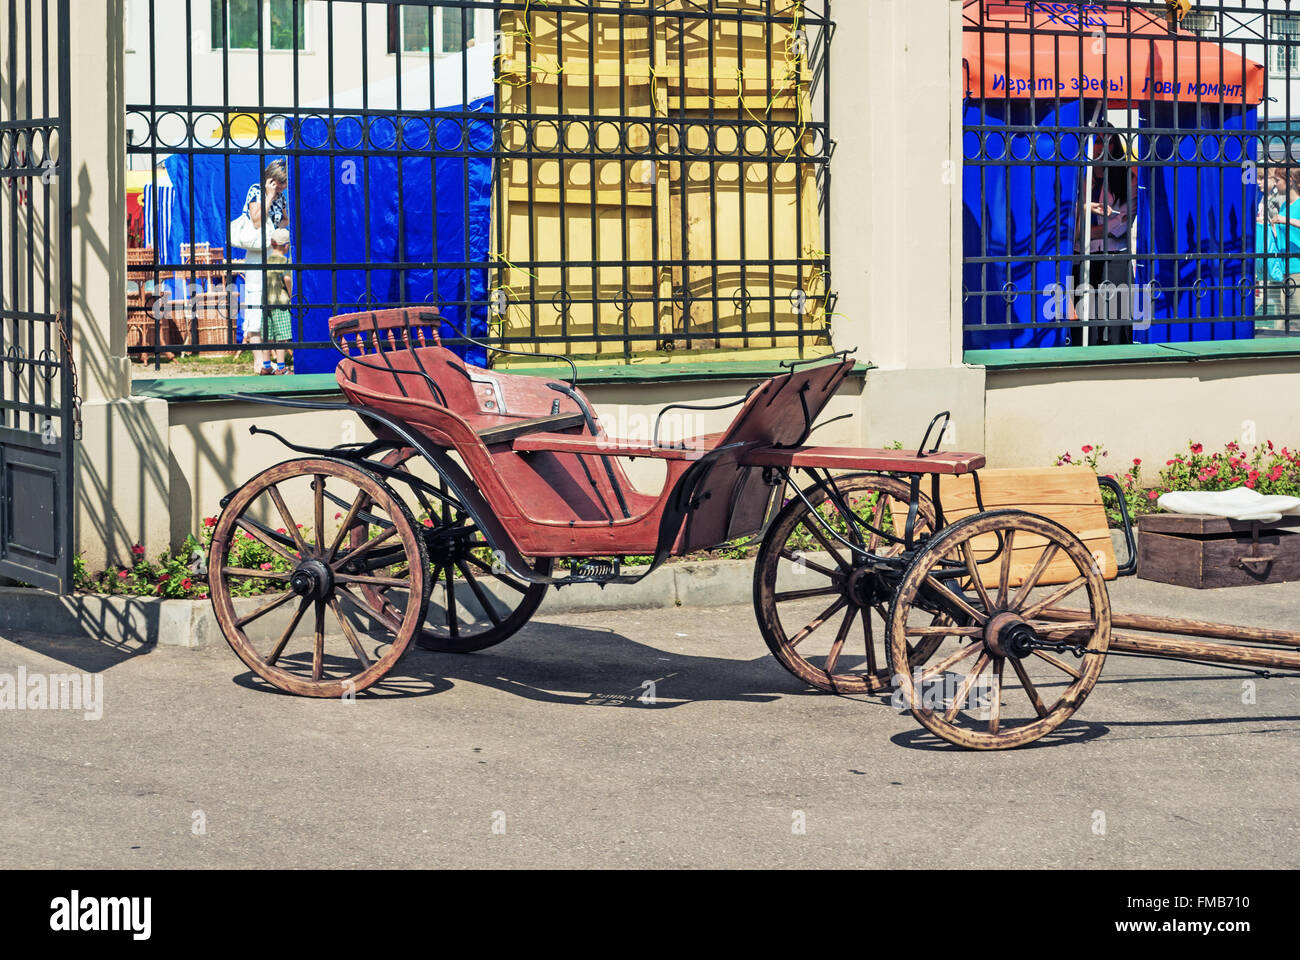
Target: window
x=243 y=18
x=457 y=30
x=452 y=28
x=1282 y=51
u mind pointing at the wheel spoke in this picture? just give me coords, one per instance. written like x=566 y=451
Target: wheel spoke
x=963 y=691
x=481 y=595
x=254 y=574
x=1004 y=577
x=833 y=658
x=353 y=640
x=262 y=611
x=1059 y=595
x=1030 y=690
x=976 y=580
x=960 y=602
x=318 y=651
x=1035 y=575
x=1059 y=664
x=943 y=631
x=793 y=557
x=453 y=623
x=829 y=612
x=319 y=487
x=813 y=527
x=873 y=538
x=366 y=547
x=805 y=594
x=386 y=582
x=348 y=521
x=390 y=624
x=995 y=705
x=951 y=660
x=265 y=539
x=284 y=637
x=868 y=636
x=287 y=517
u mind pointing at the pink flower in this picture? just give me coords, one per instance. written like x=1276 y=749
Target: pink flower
x=122 y=574
x=1151 y=495
x=1137 y=462
x=266 y=566
x=209 y=521
x=164 y=578
x=1197 y=448
x=187 y=583
x=428 y=523
x=137 y=550
x=1087 y=448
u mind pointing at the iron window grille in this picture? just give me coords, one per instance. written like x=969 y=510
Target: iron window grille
x=641 y=176
x=1189 y=147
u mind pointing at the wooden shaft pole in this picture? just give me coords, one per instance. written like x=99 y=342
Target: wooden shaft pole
x=1191 y=628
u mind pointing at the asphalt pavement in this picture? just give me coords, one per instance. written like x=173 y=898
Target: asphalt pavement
x=539 y=753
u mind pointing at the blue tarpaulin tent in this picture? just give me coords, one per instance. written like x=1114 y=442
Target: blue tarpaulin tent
x=347 y=211
x=1194 y=220
x=1014 y=211
x=1197 y=205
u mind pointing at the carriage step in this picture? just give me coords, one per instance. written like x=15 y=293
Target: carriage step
x=594 y=571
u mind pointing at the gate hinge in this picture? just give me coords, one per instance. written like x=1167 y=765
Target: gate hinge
x=71 y=371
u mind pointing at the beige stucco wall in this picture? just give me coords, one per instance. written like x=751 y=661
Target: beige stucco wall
x=1148 y=411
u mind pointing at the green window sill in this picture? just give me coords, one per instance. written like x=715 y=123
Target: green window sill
x=1029 y=358
x=318 y=384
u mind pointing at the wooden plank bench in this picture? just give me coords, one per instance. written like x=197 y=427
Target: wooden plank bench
x=1068 y=495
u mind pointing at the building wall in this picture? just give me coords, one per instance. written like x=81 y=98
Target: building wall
x=168 y=78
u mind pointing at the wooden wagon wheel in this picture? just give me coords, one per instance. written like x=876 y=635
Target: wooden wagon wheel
x=814 y=597
x=475 y=604
x=321 y=638
x=1001 y=675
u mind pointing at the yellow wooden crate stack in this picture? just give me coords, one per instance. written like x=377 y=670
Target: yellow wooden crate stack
x=644 y=199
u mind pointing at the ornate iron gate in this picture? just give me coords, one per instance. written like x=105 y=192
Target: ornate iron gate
x=38 y=408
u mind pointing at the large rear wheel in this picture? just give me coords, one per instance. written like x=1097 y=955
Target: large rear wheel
x=308 y=630
x=475 y=603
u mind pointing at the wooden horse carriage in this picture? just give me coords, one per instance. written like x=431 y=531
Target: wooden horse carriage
x=483 y=489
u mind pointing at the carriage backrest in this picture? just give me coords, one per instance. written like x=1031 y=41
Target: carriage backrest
x=735 y=499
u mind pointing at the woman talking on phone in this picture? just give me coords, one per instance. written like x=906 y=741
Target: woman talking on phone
x=267 y=210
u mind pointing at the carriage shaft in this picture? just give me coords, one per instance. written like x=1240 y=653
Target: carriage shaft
x=1205 y=651
x=1190 y=628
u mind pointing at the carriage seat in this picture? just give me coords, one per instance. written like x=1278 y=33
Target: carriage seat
x=395 y=358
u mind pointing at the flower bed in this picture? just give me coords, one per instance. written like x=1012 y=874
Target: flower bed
x=1263 y=468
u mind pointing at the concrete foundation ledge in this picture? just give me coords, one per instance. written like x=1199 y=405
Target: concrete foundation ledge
x=136 y=621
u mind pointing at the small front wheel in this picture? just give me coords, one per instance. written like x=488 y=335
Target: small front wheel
x=1000 y=674
x=310 y=631
x=815 y=596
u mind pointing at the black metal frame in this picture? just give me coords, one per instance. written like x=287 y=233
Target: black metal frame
x=802 y=147
x=39 y=407
x=1245 y=27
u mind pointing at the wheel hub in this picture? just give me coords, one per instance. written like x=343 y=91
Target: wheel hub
x=1006 y=635
x=864 y=588
x=312 y=579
